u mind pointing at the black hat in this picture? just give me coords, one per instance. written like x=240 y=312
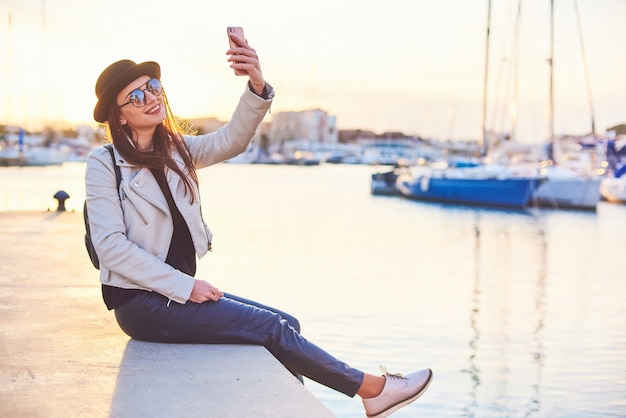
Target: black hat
x=114 y=78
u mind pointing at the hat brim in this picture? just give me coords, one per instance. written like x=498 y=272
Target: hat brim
x=108 y=96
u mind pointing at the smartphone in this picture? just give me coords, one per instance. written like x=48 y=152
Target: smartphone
x=237 y=30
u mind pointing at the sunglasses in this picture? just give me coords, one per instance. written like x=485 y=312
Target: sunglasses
x=138 y=96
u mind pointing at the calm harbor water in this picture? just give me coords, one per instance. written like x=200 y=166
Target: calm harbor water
x=519 y=314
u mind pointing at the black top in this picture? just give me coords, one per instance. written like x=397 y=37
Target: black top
x=181 y=254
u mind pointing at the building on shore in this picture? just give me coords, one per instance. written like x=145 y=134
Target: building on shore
x=314 y=125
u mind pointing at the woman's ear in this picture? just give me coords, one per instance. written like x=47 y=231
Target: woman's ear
x=122 y=121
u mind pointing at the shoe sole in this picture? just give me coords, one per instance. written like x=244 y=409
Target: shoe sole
x=405 y=402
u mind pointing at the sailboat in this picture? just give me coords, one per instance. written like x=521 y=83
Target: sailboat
x=22 y=148
x=482 y=184
x=613 y=187
x=566 y=187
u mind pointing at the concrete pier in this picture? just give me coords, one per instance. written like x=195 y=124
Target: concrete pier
x=63 y=355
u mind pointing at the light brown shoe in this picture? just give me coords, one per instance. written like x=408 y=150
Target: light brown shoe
x=398 y=391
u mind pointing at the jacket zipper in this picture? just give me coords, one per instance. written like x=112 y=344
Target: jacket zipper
x=133 y=207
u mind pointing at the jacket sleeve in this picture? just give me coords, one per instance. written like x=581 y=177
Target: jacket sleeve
x=233 y=138
x=118 y=255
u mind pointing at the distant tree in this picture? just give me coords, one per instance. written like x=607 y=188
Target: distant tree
x=70 y=133
x=619 y=129
x=264 y=142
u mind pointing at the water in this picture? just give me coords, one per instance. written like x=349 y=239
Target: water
x=519 y=314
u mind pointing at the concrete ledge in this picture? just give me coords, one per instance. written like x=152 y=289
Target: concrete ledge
x=200 y=381
x=64 y=355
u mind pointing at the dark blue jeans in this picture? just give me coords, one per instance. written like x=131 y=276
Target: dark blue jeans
x=234 y=320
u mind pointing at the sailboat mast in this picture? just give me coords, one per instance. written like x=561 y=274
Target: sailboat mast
x=483 y=147
x=516 y=51
x=551 y=62
x=582 y=48
x=9 y=90
x=43 y=65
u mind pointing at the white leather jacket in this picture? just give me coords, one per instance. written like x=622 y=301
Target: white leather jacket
x=132 y=233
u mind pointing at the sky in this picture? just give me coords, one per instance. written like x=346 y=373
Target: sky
x=416 y=66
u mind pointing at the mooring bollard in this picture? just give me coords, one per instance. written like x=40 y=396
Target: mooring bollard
x=61 y=196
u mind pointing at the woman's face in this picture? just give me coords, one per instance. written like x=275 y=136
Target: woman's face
x=147 y=115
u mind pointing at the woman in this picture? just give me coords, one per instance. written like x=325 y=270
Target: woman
x=148 y=232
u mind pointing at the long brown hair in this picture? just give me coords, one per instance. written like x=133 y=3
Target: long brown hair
x=169 y=132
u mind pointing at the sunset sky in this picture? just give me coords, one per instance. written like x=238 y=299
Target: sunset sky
x=415 y=66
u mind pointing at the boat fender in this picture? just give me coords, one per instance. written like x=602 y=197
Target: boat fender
x=424 y=183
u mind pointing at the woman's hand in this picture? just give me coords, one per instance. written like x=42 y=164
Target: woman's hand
x=204 y=292
x=245 y=61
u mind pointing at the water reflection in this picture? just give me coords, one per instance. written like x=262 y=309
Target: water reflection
x=534 y=404
x=498 y=331
x=518 y=313
x=472 y=370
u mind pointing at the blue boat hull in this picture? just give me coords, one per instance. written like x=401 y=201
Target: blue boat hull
x=512 y=193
